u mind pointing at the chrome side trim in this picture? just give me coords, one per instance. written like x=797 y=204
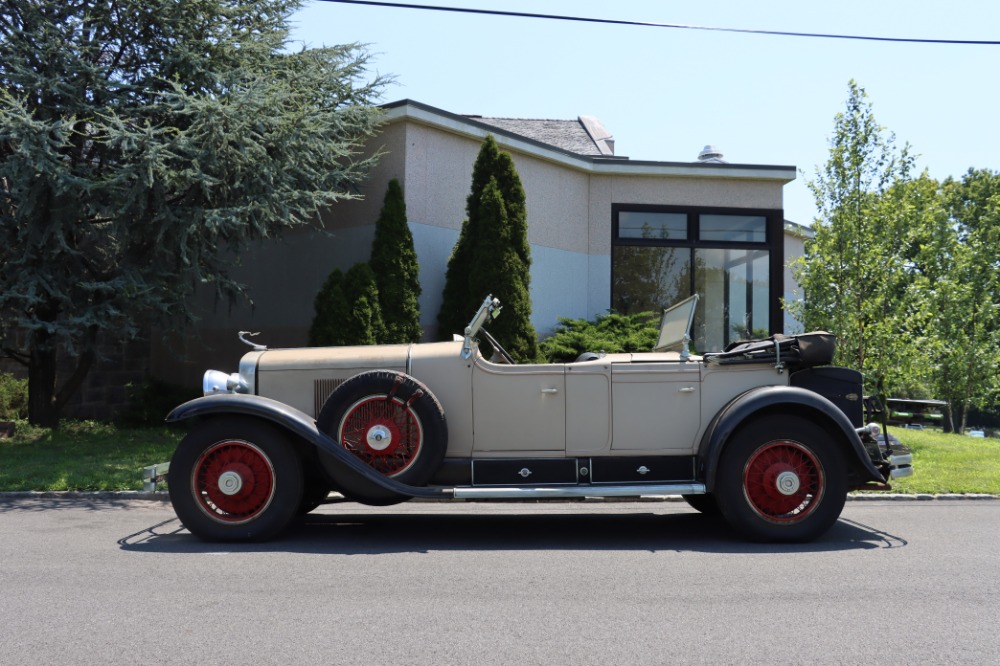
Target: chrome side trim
x=567 y=492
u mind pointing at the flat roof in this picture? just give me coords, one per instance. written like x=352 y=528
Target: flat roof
x=407 y=109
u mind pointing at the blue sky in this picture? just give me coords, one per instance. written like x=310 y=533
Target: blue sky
x=665 y=93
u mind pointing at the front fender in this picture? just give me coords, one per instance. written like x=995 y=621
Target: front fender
x=303 y=426
x=776 y=399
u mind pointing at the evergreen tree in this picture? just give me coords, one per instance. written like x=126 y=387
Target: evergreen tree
x=500 y=271
x=468 y=264
x=347 y=310
x=363 y=323
x=397 y=273
x=331 y=310
x=143 y=144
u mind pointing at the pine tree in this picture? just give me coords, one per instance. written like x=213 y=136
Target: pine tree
x=394 y=262
x=143 y=145
x=472 y=270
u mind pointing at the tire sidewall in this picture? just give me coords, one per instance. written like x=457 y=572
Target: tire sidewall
x=749 y=439
x=287 y=480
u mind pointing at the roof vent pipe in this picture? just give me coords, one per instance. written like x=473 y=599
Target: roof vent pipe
x=710 y=154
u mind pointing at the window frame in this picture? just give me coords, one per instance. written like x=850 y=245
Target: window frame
x=774 y=244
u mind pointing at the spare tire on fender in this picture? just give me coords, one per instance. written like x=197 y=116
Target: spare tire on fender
x=390 y=421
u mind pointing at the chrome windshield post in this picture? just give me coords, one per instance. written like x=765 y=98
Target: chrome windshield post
x=486 y=313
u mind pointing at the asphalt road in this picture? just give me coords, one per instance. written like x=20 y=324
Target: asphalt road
x=120 y=582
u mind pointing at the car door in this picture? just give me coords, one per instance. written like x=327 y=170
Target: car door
x=656 y=407
x=519 y=407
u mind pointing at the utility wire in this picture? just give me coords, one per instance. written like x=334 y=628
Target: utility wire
x=647 y=24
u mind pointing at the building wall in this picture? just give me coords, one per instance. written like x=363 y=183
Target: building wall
x=794 y=248
x=569 y=229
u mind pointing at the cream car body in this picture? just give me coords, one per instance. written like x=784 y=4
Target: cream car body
x=763 y=434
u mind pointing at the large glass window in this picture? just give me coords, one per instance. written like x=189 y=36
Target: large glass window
x=734 y=293
x=644 y=278
x=661 y=255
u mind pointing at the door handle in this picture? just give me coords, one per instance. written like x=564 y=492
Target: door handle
x=686 y=389
x=550 y=390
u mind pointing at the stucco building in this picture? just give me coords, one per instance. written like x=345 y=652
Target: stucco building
x=605 y=232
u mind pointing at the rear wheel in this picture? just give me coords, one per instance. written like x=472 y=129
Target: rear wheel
x=234 y=479
x=392 y=423
x=781 y=478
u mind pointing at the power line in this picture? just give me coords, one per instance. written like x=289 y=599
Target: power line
x=647 y=24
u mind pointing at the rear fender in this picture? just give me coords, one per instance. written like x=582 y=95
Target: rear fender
x=301 y=425
x=775 y=399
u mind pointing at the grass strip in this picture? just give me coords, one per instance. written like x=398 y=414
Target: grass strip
x=87 y=455
x=82 y=455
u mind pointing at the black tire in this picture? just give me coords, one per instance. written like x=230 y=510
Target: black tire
x=706 y=504
x=390 y=421
x=781 y=478
x=235 y=479
x=314 y=494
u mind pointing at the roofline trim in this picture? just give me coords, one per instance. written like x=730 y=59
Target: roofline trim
x=407 y=109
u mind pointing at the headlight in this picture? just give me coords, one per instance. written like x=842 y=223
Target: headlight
x=216 y=381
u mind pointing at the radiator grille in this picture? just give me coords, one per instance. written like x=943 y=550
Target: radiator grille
x=322 y=388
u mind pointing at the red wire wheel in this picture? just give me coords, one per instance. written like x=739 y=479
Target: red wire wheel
x=383 y=432
x=783 y=481
x=782 y=477
x=235 y=478
x=233 y=481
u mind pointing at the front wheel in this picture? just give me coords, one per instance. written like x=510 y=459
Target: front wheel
x=235 y=479
x=781 y=478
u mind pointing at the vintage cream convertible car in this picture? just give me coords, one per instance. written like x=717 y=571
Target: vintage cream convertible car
x=765 y=433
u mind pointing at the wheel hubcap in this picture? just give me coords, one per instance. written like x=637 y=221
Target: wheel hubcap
x=783 y=481
x=788 y=483
x=379 y=438
x=230 y=483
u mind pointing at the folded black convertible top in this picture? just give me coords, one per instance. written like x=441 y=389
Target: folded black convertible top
x=804 y=350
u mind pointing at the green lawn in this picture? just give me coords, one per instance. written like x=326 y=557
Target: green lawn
x=82 y=456
x=97 y=456
x=950 y=463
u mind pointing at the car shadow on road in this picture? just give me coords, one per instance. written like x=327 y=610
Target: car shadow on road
x=350 y=533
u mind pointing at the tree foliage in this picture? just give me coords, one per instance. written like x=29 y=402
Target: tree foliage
x=331 y=308
x=142 y=145
x=856 y=270
x=347 y=310
x=501 y=271
x=967 y=297
x=610 y=333
x=492 y=255
x=363 y=324
x=904 y=269
x=397 y=274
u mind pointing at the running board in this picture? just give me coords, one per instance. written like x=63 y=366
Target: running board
x=569 y=492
